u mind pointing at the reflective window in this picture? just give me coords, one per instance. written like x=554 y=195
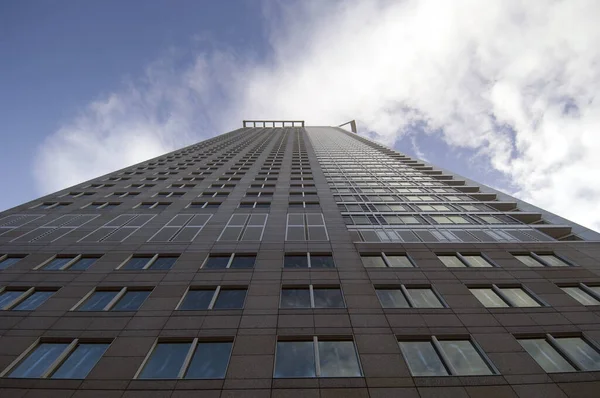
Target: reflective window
x=424 y=358
x=373 y=261
x=37 y=363
x=424 y=298
x=546 y=356
x=131 y=300
x=79 y=360
x=587 y=357
x=477 y=261
x=230 y=299
x=398 y=261
x=137 y=263
x=553 y=261
x=210 y=361
x=33 y=301
x=392 y=298
x=295 y=298
x=464 y=358
x=328 y=298
x=296 y=359
x=217 y=262
x=98 y=301
x=529 y=261
x=451 y=261
x=83 y=263
x=197 y=299
x=295 y=261
x=163 y=263
x=166 y=361
x=57 y=263
x=504 y=297
x=307 y=297
x=580 y=295
x=321 y=261
x=8 y=296
x=8 y=262
x=243 y=261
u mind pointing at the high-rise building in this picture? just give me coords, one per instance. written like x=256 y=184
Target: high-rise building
x=280 y=260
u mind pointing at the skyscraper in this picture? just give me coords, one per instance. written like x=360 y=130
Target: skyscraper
x=280 y=260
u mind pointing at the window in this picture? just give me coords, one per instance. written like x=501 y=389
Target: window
x=204 y=205
x=586 y=295
x=119 y=228
x=52 y=205
x=383 y=260
x=187 y=360
x=8 y=260
x=542 y=260
x=308 y=260
x=156 y=262
x=408 y=297
x=102 y=205
x=562 y=354
x=56 y=229
x=169 y=194
x=71 y=263
x=316 y=358
x=43 y=361
x=24 y=299
x=311 y=297
x=459 y=260
x=234 y=261
x=153 y=205
x=181 y=228
x=244 y=227
x=125 y=299
x=496 y=296
x=255 y=205
x=310 y=226
x=445 y=357
x=219 y=298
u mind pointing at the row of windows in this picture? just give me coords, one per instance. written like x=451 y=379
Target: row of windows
x=193 y=205
x=458 y=260
x=374 y=234
x=446 y=219
x=308 y=260
x=292 y=296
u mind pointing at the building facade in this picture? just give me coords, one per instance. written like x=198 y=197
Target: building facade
x=280 y=260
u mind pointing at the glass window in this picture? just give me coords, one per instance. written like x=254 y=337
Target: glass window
x=392 y=298
x=295 y=359
x=38 y=362
x=243 y=261
x=373 y=261
x=328 y=298
x=529 y=261
x=217 y=262
x=488 y=298
x=83 y=263
x=209 y=361
x=80 y=362
x=424 y=298
x=131 y=300
x=519 y=297
x=8 y=296
x=163 y=263
x=321 y=261
x=398 y=260
x=477 y=261
x=9 y=262
x=451 y=261
x=166 y=361
x=553 y=261
x=137 y=263
x=36 y=299
x=295 y=261
x=338 y=359
x=57 y=263
x=422 y=358
x=546 y=356
x=587 y=357
x=295 y=298
x=98 y=301
x=464 y=358
x=197 y=299
x=581 y=296
x=230 y=299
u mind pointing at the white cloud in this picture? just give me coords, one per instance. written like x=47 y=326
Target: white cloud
x=513 y=80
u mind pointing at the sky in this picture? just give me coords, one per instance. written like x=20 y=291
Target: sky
x=503 y=92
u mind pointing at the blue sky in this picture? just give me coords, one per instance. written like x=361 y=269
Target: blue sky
x=502 y=92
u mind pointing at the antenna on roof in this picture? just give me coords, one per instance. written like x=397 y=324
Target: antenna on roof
x=352 y=124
